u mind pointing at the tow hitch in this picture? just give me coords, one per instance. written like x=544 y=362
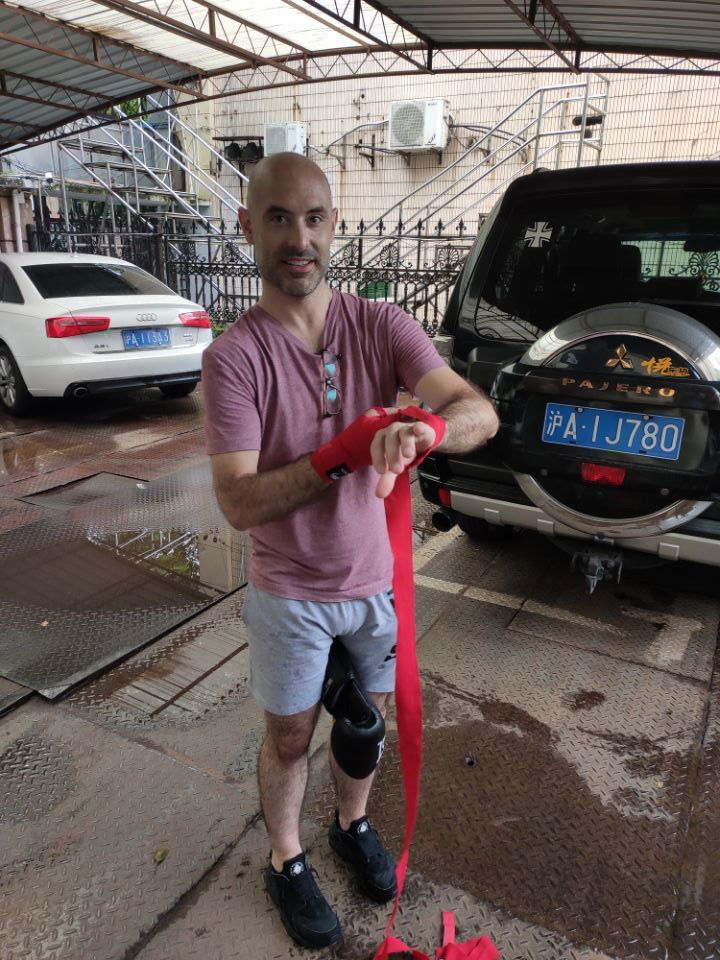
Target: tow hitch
x=596 y=564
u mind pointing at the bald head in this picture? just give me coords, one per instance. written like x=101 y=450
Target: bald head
x=290 y=222
x=278 y=172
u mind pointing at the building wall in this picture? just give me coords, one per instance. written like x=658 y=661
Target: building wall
x=7 y=220
x=648 y=118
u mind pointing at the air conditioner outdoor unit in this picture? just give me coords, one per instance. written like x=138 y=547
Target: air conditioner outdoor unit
x=285 y=138
x=417 y=125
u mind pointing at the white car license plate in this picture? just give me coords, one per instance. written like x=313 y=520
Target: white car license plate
x=146 y=339
x=619 y=431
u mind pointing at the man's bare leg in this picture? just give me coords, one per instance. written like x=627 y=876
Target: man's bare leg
x=282 y=779
x=352 y=795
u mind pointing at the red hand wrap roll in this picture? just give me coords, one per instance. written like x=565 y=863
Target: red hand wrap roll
x=350 y=449
x=398 y=513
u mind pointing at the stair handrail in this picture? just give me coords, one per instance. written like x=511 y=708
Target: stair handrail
x=176 y=196
x=155 y=138
x=523 y=145
x=452 y=187
x=193 y=133
x=108 y=186
x=539 y=91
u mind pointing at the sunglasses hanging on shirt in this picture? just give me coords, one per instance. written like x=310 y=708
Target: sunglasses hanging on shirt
x=331 y=398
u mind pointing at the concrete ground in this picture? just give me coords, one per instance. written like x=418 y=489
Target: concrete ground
x=570 y=804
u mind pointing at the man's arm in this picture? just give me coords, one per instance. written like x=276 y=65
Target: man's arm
x=469 y=416
x=248 y=498
x=470 y=421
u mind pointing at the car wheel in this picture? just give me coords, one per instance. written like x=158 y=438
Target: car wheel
x=480 y=530
x=610 y=421
x=176 y=390
x=14 y=395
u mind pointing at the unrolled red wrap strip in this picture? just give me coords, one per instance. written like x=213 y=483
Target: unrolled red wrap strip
x=398 y=513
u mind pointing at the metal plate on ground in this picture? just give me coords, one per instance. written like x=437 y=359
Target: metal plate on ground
x=94 y=581
x=576 y=770
x=84 y=491
x=12 y=694
x=169 y=697
x=231 y=917
x=100 y=836
x=633 y=620
x=698 y=924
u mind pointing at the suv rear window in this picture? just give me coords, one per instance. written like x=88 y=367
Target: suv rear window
x=92 y=280
x=560 y=255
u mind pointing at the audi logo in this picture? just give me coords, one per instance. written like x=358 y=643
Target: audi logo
x=147 y=317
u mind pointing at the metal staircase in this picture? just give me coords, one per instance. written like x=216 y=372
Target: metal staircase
x=556 y=126
x=156 y=170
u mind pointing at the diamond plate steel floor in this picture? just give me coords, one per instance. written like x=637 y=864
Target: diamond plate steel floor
x=572 y=745
x=101 y=836
x=111 y=564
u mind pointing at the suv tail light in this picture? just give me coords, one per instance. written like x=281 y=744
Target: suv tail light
x=444 y=496
x=195 y=318
x=602 y=474
x=75 y=326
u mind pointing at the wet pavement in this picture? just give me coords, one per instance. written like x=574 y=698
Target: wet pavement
x=571 y=783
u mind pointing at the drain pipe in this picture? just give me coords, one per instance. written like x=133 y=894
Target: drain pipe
x=17 y=226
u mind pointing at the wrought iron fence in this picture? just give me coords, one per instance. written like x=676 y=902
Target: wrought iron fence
x=415 y=269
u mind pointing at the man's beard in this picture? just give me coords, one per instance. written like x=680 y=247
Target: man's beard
x=275 y=273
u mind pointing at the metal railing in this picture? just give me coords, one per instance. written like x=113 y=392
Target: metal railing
x=137 y=163
x=206 y=267
x=519 y=152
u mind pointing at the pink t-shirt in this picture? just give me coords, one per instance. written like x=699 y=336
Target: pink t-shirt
x=263 y=390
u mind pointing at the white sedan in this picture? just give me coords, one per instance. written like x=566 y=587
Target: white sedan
x=72 y=325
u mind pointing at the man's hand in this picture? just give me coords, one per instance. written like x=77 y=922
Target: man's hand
x=387 y=439
x=395 y=447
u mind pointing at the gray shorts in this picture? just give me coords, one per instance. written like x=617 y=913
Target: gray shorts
x=290 y=641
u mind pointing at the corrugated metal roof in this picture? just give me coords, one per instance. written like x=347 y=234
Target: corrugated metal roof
x=61 y=59
x=64 y=59
x=687 y=27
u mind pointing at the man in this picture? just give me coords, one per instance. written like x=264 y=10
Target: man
x=286 y=378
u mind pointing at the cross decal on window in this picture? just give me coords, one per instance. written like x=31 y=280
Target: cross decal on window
x=538 y=234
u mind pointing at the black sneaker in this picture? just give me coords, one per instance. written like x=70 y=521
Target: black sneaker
x=374 y=866
x=304 y=911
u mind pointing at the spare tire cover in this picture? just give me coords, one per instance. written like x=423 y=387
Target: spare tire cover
x=664 y=329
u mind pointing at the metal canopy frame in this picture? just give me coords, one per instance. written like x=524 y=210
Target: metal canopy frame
x=54 y=72
x=105 y=53
x=217 y=22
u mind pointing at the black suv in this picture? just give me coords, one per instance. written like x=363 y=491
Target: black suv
x=589 y=310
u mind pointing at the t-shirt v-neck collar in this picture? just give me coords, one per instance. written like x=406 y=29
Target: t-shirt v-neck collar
x=329 y=333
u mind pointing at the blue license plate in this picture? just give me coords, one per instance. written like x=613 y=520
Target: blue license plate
x=146 y=339
x=618 y=431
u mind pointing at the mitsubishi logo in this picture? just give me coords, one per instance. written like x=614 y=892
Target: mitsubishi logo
x=148 y=317
x=620 y=358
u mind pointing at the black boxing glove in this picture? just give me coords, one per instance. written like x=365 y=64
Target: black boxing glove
x=357 y=740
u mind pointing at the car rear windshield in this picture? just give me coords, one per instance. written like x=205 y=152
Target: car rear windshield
x=92 y=280
x=559 y=255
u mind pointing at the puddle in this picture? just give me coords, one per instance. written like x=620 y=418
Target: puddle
x=506 y=818
x=75 y=604
x=126 y=570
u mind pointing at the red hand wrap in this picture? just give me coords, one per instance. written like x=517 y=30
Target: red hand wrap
x=350 y=449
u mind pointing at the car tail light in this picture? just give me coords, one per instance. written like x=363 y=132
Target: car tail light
x=195 y=318
x=444 y=496
x=602 y=474
x=75 y=326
